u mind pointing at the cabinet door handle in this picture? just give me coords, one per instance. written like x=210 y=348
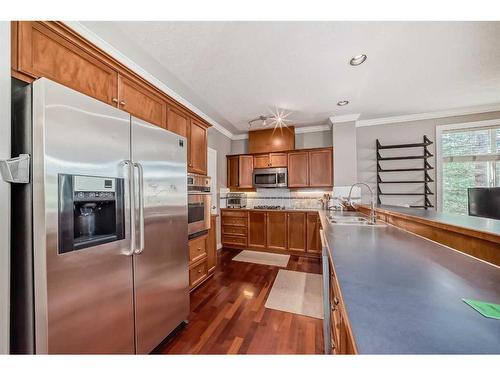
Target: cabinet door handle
x=333 y=344
x=199 y=249
x=335 y=301
x=114 y=100
x=122 y=102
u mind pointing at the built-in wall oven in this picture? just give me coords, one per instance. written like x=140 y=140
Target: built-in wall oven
x=198 y=204
x=270 y=177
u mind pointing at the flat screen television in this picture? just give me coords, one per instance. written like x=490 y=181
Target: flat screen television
x=484 y=202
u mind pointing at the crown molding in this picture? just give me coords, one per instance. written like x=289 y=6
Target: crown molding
x=115 y=53
x=312 y=129
x=429 y=115
x=344 y=118
x=238 y=137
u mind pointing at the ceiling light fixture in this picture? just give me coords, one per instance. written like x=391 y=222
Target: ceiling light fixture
x=343 y=103
x=278 y=119
x=358 y=60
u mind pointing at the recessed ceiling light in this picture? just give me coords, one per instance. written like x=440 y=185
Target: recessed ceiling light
x=357 y=60
x=343 y=102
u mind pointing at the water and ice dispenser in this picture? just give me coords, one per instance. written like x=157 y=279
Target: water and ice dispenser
x=91 y=211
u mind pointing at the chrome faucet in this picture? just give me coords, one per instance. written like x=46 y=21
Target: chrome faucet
x=373 y=217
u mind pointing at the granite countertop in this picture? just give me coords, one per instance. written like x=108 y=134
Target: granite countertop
x=403 y=293
x=481 y=224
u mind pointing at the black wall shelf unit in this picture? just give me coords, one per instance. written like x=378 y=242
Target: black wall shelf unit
x=426 y=167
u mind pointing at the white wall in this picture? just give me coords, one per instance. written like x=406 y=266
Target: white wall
x=344 y=154
x=4 y=187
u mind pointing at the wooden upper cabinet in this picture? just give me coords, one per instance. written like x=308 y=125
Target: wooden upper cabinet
x=177 y=121
x=271 y=140
x=272 y=160
x=313 y=237
x=298 y=169
x=276 y=230
x=257 y=228
x=296 y=229
x=197 y=151
x=141 y=102
x=43 y=53
x=261 y=161
x=321 y=168
x=245 y=171
x=278 y=160
x=233 y=168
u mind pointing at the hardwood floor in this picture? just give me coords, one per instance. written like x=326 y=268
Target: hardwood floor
x=228 y=314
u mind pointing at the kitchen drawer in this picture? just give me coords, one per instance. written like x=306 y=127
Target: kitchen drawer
x=234 y=240
x=197 y=248
x=234 y=213
x=197 y=274
x=235 y=221
x=235 y=231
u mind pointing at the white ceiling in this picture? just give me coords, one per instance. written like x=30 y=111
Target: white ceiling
x=235 y=71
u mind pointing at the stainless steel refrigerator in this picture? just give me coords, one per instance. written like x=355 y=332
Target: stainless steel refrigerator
x=99 y=255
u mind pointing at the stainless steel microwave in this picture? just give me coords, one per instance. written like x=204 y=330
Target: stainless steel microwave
x=270 y=177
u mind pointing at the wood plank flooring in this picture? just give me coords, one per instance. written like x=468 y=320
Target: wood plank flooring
x=228 y=314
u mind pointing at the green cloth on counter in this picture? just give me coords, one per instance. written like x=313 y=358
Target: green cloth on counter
x=489 y=310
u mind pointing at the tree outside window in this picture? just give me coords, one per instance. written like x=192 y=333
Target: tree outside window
x=471 y=158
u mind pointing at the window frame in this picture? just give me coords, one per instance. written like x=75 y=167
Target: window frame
x=439 y=154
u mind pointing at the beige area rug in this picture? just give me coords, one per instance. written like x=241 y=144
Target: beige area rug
x=298 y=293
x=269 y=259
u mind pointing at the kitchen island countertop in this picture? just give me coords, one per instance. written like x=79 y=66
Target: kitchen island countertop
x=403 y=293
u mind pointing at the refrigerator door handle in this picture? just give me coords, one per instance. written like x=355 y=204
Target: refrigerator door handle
x=131 y=190
x=141 y=207
x=16 y=170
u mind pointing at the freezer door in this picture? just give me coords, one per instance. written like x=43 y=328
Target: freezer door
x=83 y=296
x=161 y=260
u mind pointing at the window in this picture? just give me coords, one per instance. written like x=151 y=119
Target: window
x=470 y=157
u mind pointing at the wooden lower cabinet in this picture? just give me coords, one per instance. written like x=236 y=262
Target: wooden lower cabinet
x=234 y=228
x=203 y=256
x=296 y=231
x=276 y=230
x=341 y=338
x=257 y=229
x=313 y=242
x=197 y=274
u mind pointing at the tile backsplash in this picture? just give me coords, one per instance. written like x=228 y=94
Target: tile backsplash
x=291 y=199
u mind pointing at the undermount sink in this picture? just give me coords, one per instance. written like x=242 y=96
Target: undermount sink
x=353 y=220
